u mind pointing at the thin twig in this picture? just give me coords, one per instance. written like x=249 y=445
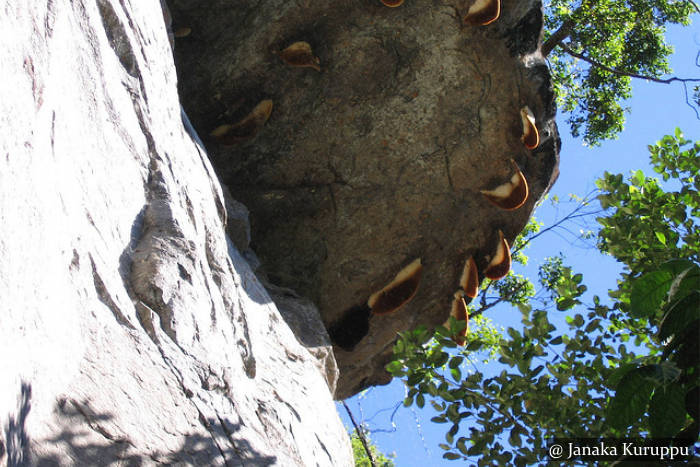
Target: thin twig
x=385 y=409
x=614 y=71
x=689 y=103
x=391 y=420
x=573 y=214
x=360 y=434
x=485 y=306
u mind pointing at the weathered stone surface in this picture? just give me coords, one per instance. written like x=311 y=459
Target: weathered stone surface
x=377 y=159
x=131 y=328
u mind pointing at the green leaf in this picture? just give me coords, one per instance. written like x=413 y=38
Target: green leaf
x=567 y=303
x=684 y=282
x=592 y=326
x=438 y=407
x=414 y=379
x=617 y=375
x=679 y=315
x=661 y=373
x=474 y=345
x=556 y=341
x=462 y=445
x=661 y=237
x=631 y=399
x=455 y=361
x=514 y=438
x=450 y=436
x=394 y=367
x=440 y=358
x=420 y=401
x=667 y=411
x=451 y=456
x=649 y=292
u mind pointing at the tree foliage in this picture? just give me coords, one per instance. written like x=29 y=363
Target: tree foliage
x=624 y=366
x=360 y=454
x=595 y=48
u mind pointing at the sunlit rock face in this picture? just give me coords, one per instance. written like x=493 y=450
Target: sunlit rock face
x=132 y=329
x=377 y=159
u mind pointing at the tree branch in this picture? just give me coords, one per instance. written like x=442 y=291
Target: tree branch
x=566 y=28
x=614 y=71
x=361 y=435
x=485 y=306
x=558 y=36
x=576 y=212
x=695 y=5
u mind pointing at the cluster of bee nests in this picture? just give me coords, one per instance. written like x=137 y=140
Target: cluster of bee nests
x=508 y=196
x=342 y=269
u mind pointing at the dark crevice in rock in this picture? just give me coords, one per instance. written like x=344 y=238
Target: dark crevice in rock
x=184 y=274
x=229 y=434
x=75 y=261
x=244 y=345
x=146 y=316
x=118 y=38
x=220 y=203
x=325 y=449
x=524 y=37
x=234 y=311
x=105 y=297
x=351 y=328
x=100 y=86
x=50 y=18
x=208 y=425
x=126 y=258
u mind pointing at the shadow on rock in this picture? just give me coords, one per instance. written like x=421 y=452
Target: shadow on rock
x=86 y=437
x=16 y=438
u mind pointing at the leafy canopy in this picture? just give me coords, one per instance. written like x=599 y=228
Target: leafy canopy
x=626 y=368
x=595 y=47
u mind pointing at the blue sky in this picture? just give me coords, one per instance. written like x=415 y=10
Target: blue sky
x=656 y=109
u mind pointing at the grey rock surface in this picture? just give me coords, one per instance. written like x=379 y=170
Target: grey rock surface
x=132 y=330
x=379 y=157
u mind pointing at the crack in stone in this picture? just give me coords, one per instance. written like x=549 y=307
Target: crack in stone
x=97 y=428
x=105 y=297
x=203 y=420
x=229 y=435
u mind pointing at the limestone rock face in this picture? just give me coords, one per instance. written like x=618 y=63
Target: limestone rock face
x=132 y=330
x=378 y=158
